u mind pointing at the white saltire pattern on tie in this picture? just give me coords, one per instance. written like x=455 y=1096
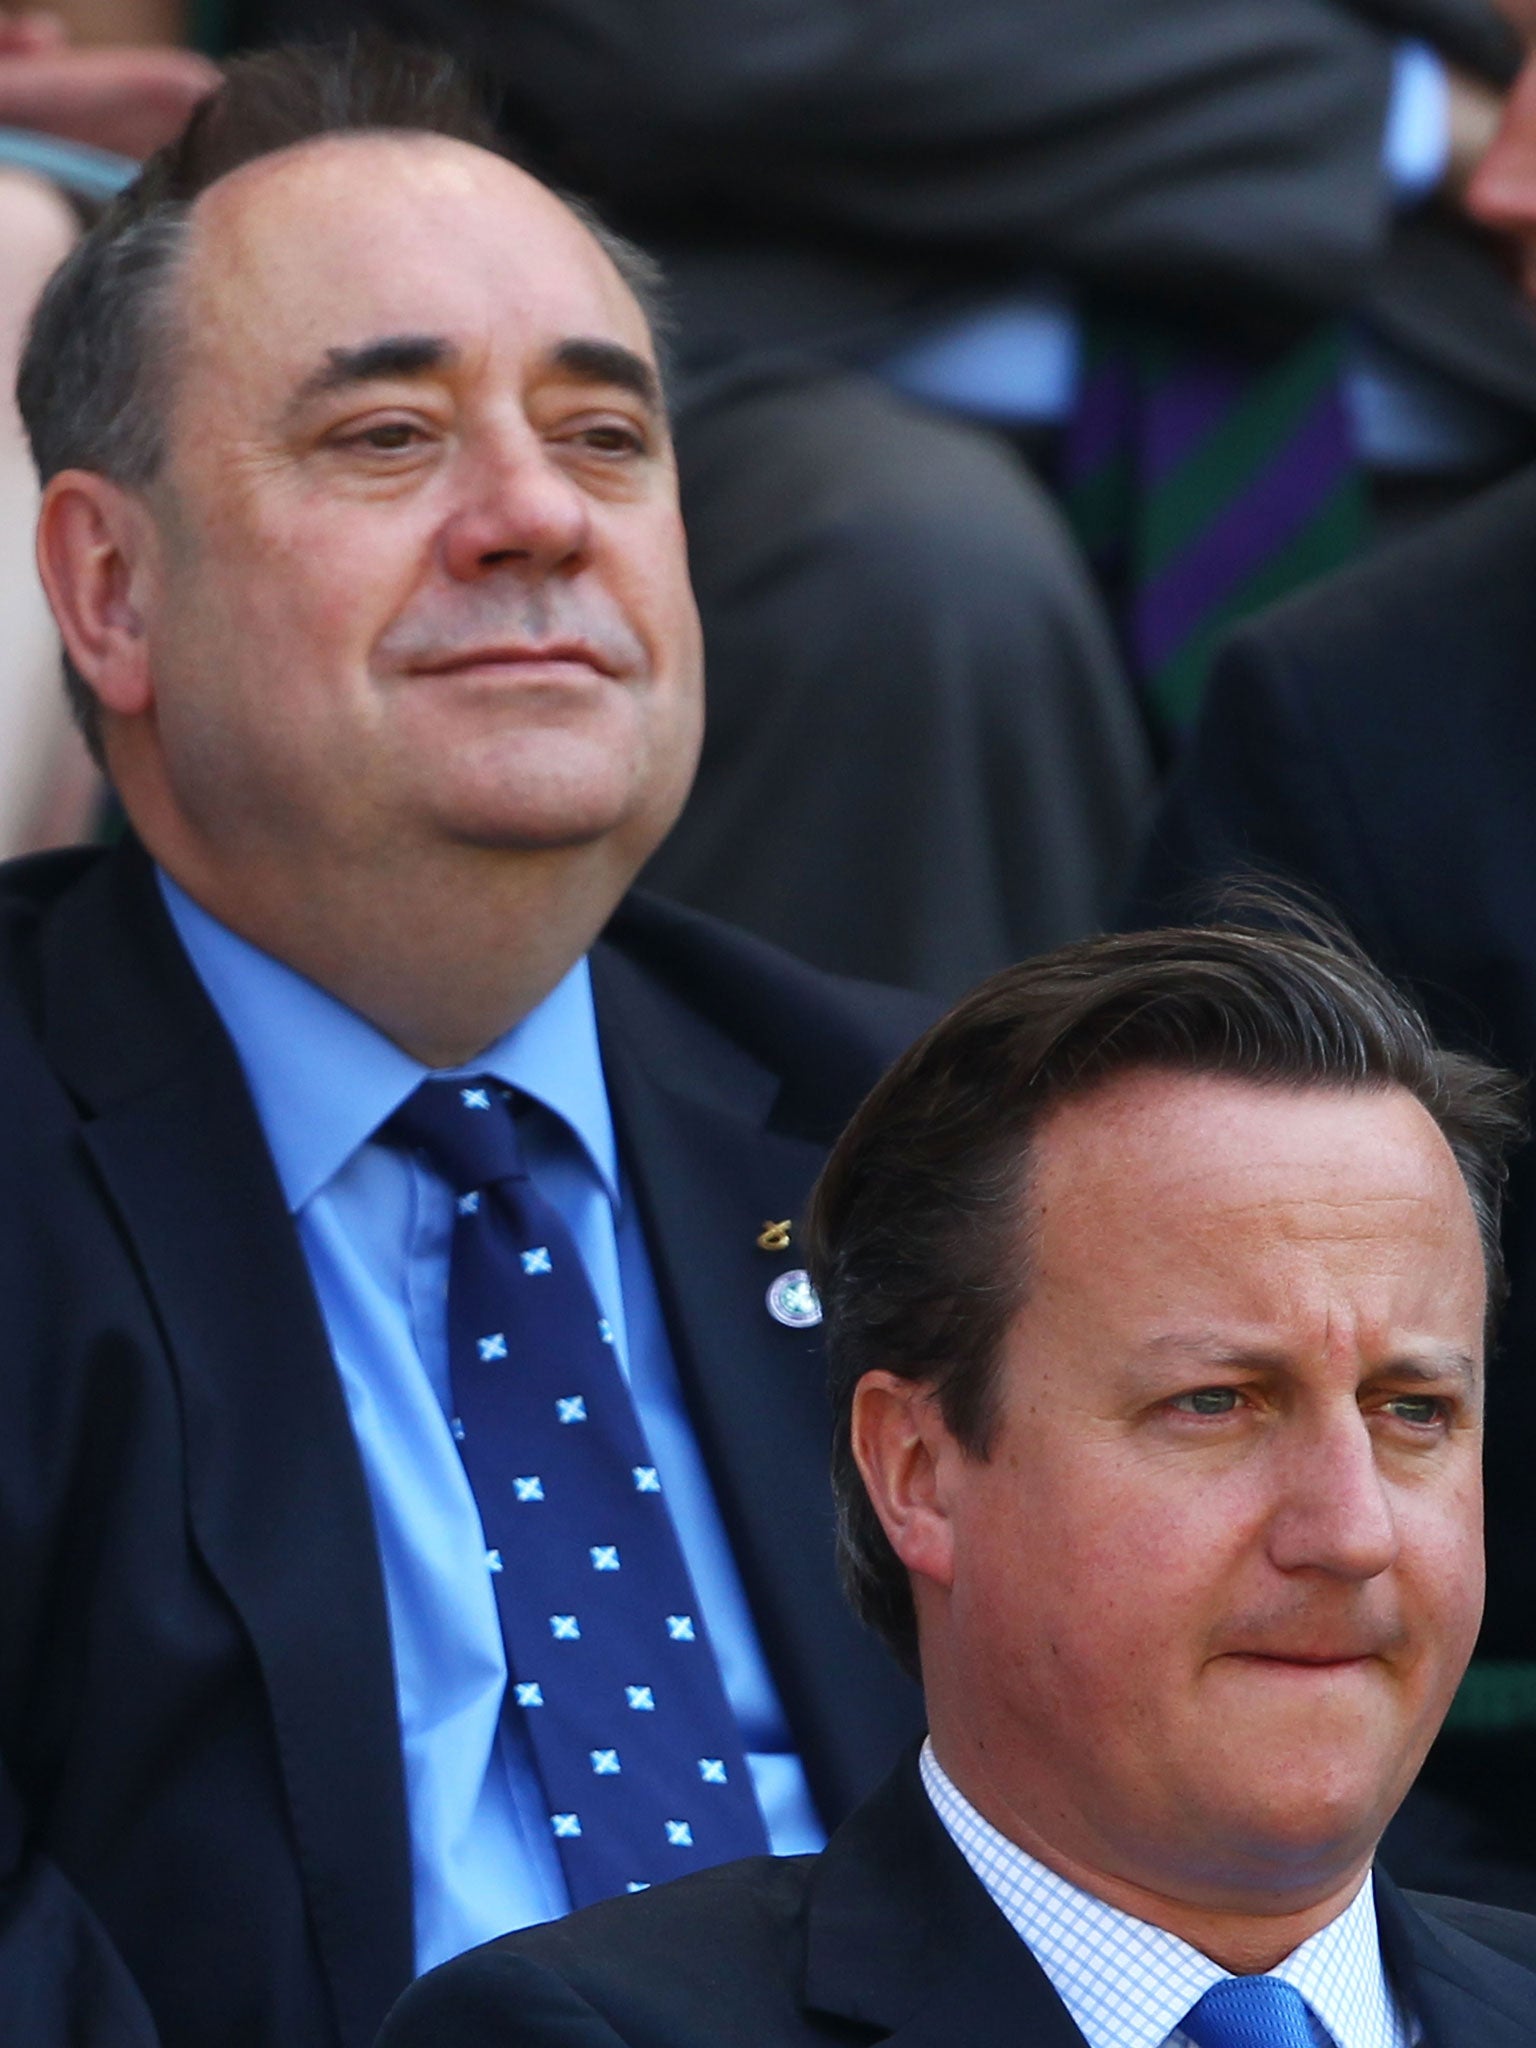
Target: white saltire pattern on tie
x=594 y=1597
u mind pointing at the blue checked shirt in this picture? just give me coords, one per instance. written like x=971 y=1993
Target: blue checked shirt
x=1128 y=1984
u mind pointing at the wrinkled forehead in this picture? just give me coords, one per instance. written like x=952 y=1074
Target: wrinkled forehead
x=1158 y=1190
x=334 y=241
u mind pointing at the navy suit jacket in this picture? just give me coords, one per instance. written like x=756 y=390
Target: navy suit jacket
x=203 y=1833
x=886 y=1937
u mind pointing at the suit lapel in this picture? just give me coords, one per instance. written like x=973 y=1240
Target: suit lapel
x=901 y=1935
x=1465 y=1994
x=708 y=1169
x=276 y=1496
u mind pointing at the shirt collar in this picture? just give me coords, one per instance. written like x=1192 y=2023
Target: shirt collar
x=1127 y=1982
x=324 y=1079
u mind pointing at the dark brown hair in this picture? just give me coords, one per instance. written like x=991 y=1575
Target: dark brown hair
x=918 y=1228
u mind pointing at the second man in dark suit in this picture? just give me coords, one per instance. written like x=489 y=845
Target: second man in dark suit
x=1156 y=1283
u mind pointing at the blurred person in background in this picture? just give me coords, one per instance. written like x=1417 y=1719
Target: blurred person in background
x=74 y=117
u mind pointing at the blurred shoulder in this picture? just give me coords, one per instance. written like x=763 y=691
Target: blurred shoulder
x=716 y=1957
x=1457 y=587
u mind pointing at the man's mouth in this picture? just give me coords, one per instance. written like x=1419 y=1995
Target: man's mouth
x=1321 y=1658
x=1329 y=1657
x=519 y=657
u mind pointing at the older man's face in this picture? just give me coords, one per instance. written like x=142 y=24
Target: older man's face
x=419 y=573
x=1214 y=1588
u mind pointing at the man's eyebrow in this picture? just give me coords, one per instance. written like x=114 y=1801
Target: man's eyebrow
x=1433 y=1364
x=1421 y=1366
x=608 y=362
x=392 y=355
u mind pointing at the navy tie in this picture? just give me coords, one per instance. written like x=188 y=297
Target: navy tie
x=1251 y=2012
x=609 y=1663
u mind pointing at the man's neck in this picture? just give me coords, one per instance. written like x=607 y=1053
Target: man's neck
x=1247 y=1935
x=441 y=962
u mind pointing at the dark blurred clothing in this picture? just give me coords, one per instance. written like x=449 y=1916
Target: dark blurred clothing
x=921 y=759
x=825 y=172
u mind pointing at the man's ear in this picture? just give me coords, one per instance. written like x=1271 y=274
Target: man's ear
x=95 y=544
x=904 y=1454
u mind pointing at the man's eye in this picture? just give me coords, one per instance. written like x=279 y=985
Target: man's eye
x=612 y=437
x=1207 y=1401
x=382 y=437
x=1422 y=1410
x=389 y=436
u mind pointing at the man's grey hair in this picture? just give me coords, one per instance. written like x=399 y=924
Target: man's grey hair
x=97 y=373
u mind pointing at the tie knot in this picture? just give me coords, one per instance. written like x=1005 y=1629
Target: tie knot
x=463 y=1128
x=1251 y=2012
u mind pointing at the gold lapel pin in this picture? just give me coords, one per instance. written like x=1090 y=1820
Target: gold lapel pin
x=774 y=1237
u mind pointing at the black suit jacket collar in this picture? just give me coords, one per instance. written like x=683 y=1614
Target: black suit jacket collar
x=1465 y=1994
x=902 y=1936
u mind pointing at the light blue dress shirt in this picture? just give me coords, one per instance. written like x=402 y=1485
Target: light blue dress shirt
x=375 y=1227
x=1017 y=361
x=1128 y=1984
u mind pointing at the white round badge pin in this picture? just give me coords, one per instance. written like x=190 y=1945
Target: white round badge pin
x=792 y=1300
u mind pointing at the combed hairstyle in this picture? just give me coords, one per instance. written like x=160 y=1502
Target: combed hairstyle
x=919 y=1226
x=97 y=372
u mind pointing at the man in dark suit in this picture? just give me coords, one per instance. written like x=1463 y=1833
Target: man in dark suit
x=1156 y=1280
x=361 y=526
x=1375 y=739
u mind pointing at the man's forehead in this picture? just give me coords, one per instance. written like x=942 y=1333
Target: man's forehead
x=1190 y=1125
x=308 y=233
x=365 y=168
x=1164 y=1177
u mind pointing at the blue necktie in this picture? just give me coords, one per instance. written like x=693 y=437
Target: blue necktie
x=608 y=1659
x=1251 y=2012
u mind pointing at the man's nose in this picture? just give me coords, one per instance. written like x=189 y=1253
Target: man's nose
x=515 y=505
x=1333 y=1509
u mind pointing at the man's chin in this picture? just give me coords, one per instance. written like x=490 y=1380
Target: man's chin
x=1263 y=1860
x=494 y=834
x=1309 y=1835
x=506 y=802
x=492 y=824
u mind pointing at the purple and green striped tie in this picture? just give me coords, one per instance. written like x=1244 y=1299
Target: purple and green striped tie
x=1205 y=479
